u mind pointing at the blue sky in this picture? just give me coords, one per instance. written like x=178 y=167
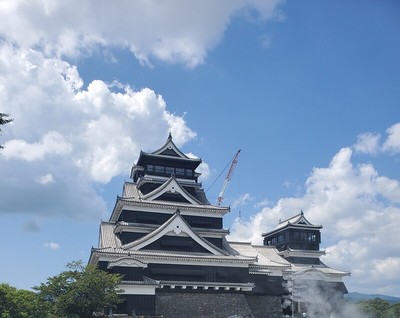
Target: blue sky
x=309 y=90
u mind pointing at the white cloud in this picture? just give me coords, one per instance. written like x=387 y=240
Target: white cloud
x=76 y=136
x=359 y=210
x=387 y=268
x=241 y=200
x=370 y=143
x=172 y=31
x=203 y=168
x=52 y=245
x=367 y=143
x=52 y=143
x=392 y=143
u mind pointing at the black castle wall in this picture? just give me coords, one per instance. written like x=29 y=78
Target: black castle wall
x=128 y=237
x=161 y=218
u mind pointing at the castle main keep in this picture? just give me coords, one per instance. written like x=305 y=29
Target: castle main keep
x=169 y=243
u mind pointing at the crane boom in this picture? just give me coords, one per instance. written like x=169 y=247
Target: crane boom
x=228 y=177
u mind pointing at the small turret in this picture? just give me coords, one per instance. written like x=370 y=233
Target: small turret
x=296 y=239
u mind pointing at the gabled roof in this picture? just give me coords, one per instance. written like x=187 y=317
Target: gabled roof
x=172 y=186
x=170 y=149
x=316 y=272
x=298 y=220
x=168 y=152
x=176 y=225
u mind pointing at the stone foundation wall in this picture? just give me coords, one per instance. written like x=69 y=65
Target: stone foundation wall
x=264 y=306
x=216 y=305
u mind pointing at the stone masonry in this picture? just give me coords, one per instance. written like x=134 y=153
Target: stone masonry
x=216 y=305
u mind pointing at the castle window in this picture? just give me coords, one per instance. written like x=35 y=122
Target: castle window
x=180 y=171
x=189 y=172
x=159 y=169
x=150 y=168
x=169 y=170
x=305 y=236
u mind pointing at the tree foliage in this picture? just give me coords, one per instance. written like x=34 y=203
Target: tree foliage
x=80 y=291
x=3 y=121
x=379 y=308
x=20 y=303
x=393 y=311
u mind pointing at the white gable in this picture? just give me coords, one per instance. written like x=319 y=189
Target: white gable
x=302 y=220
x=171 y=186
x=175 y=226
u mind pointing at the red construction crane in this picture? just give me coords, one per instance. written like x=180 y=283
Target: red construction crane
x=228 y=178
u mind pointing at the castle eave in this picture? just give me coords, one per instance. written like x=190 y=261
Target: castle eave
x=301 y=253
x=147 y=256
x=171 y=207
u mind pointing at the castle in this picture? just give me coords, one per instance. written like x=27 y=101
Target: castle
x=169 y=243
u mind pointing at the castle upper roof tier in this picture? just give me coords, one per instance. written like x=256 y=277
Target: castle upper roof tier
x=167 y=160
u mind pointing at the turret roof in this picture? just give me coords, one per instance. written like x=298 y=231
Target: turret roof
x=298 y=220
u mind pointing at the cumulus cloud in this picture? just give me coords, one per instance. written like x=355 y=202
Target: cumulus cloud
x=173 y=31
x=51 y=143
x=392 y=143
x=359 y=210
x=367 y=143
x=69 y=138
x=370 y=143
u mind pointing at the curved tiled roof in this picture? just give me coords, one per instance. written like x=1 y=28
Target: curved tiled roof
x=176 y=256
x=121 y=203
x=266 y=255
x=181 y=225
x=298 y=220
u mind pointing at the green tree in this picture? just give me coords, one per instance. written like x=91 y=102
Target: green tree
x=375 y=308
x=3 y=121
x=393 y=311
x=80 y=291
x=20 y=303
